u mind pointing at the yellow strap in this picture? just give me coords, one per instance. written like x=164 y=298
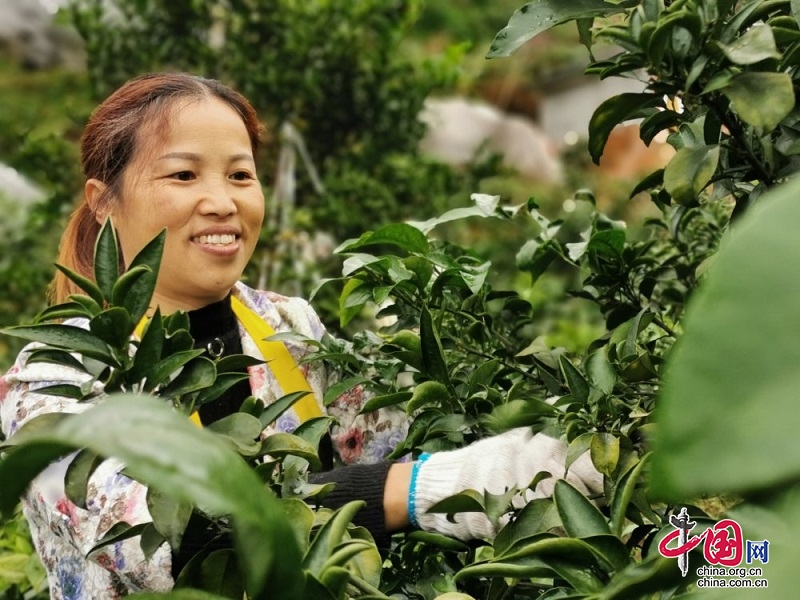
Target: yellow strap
x=286 y=371
x=277 y=355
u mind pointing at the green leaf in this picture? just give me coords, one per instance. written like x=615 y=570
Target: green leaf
x=170 y=516
x=577 y=448
x=137 y=300
x=352 y=300
x=639 y=580
x=200 y=375
x=427 y=392
x=237 y=363
x=433 y=361
x=113 y=326
x=604 y=450
x=118 y=532
x=84 y=283
x=329 y=536
x=442 y=542
x=378 y=402
x=76 y=479
x=571 y=559
x=241 y=430
x=285 y=444
x=580 y=517
x=600 y=371
x=536 y=17
x=731 y=383
x=125 y=284
x=68 y=337
x=532 y=567
x=465 y=501
x=163 y=449
x=341 y=387
x=535 y=256
x=67 y=310
x=623 y=494
x=220 y=573
x=516 y=413
x=280 y=406
x=106 y=260
x=754 y=45
x=314 y=430
x=167 y=367
x=58 y=357
x=761 y=99
x=399 y=235
x=689 y=172
x=578 y=386
x=536 y=517
x=614 y=111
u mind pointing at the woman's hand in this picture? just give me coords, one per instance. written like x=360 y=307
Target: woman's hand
x=495 y=464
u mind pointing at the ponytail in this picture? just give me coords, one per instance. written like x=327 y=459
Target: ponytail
x=75 y=252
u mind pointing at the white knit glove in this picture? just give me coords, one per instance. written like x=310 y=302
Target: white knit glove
x=495 y=464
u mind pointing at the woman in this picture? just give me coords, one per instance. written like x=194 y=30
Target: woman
x=176 y=151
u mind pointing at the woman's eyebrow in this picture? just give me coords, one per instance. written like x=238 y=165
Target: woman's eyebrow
x=191 y=156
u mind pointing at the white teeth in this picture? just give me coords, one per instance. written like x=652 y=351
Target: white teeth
x=216 y=240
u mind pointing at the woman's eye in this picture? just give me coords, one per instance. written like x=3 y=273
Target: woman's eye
x=242 y=176
x=183 y=175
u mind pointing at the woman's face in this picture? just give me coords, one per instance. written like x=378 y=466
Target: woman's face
x=199 y=182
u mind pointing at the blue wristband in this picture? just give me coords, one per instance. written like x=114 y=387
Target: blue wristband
x=412 y=489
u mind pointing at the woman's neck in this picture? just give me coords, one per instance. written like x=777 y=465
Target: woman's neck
x=168 y=305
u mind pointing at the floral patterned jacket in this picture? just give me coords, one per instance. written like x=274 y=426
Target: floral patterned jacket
x=64 y=534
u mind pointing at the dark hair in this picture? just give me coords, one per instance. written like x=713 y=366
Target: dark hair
x=110 y=141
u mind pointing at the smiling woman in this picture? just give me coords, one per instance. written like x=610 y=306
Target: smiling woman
x=175 y=152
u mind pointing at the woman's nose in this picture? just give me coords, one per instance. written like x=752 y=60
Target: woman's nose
x=218 y=198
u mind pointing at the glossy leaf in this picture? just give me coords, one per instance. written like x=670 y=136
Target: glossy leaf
x=689 y=172
x=170 y=516
x=283 y=444
x=624 y=493
x=399 y=235
x=600 y=372
x=580 y=517
x=761 y=99
x=68 y=337
x=59 y=357
x=113 y=326
x=330 y=536
x=241 y=430
x=755 y=45
x=124 y=285
x=84 y=283
x=106 y=260
x=578 y=386
x=76 y=479
x=431 y=347
x=614 y=111
x=427 y=392
x=604 y=450
x=516 y=413
x=167 y=367
x=280 y=406
x=535 y=17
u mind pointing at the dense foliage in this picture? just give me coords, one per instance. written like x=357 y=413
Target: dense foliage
x=466 y=360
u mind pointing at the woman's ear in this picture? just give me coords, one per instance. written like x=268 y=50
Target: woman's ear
x=94 y=189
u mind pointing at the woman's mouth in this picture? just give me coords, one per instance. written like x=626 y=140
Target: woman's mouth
x=225 y=239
